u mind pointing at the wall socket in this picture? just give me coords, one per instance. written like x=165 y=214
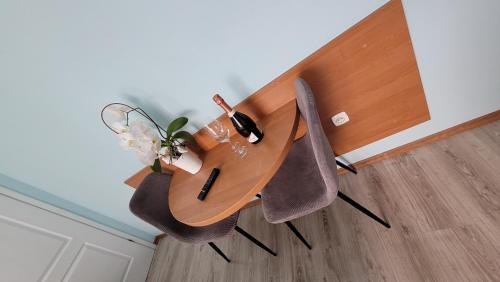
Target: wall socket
x=340 y=118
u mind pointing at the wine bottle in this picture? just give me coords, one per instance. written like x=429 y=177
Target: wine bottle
x=245 y=126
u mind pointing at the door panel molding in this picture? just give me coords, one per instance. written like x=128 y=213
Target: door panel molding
x=89 y=246
x=65 y=241
x=20 y=197
x=38 y=244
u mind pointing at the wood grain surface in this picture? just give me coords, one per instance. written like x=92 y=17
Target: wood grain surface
x=240 y=179
x=442 y=200
x=135 y=180
x=369 y=72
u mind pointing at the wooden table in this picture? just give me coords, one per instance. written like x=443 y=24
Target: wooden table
x=240 y=179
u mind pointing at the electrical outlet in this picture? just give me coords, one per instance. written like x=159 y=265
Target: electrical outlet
x=340 y=118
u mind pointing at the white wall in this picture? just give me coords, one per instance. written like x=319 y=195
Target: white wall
x=61 y=61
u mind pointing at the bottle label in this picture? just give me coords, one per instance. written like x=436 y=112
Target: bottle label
x=252 y=138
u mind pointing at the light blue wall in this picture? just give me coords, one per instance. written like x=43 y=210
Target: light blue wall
x=61 y=61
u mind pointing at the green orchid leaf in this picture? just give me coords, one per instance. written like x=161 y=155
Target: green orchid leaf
x=186 y=136
x=156 y=167
x=176 y=124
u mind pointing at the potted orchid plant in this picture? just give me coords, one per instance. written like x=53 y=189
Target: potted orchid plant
x=169 y=145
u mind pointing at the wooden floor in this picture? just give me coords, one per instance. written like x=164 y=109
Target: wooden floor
x=443 y=201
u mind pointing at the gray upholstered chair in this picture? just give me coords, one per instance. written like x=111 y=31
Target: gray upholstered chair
x=307 y=181
x=150 y=203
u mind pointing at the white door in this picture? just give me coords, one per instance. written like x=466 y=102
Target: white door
x=43 y=243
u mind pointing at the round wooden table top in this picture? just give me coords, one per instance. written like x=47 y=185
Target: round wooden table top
x=240 y=179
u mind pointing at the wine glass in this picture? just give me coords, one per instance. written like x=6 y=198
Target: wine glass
x=220 y=133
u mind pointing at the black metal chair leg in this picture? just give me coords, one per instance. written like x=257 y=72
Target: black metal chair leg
x=350 y=168
x=255 y=241
x=219 y=251
x=297 y=233
x=362 y=209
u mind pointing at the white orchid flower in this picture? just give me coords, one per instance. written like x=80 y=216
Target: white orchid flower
x=141 y=138
x=118 y=112
x=147 y=158
x=127 y=141
x=120 y=127
x=141 y=129
x=147 y=151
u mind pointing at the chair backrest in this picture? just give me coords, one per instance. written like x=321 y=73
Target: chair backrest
x=323 y=153
x=150 y=201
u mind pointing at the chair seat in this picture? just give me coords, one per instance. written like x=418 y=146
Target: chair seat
x=298 y=188
x=150 y=203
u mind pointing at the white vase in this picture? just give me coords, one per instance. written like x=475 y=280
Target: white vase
x=188 y=161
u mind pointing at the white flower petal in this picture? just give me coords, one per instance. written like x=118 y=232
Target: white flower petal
x=120 y=127
x=117 y=112
x=142 y=139
x=139 y=128
x=156 y=144
x=147 y=158
x=127 y=144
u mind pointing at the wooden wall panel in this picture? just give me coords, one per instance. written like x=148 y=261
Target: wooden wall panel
x=369 y=72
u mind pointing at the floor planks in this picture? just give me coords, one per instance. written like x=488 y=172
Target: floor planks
x=442 y=200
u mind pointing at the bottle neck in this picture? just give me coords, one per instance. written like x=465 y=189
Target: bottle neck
x=219 y=101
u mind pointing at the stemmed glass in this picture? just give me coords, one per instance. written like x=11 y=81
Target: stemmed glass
x=220 y=133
